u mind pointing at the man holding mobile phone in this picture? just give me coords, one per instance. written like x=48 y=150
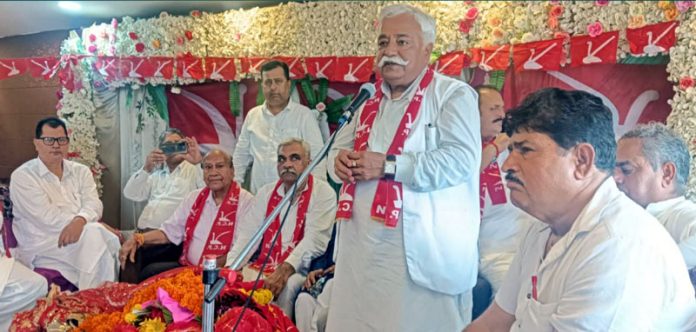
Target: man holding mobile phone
x=169 y=173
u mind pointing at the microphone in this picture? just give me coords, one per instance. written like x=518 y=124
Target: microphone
x=366 y=92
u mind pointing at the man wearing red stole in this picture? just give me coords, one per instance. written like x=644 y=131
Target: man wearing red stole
x=501 y=222
x=408 y=210
x=305 y=233
x=205 y=221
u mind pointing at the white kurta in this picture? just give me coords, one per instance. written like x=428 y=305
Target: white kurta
x=417 y=276
x=318 y=224
x=163 y=191
x=19 y=290
x=43 y=205
x=259 y=138
x=502 y=225
x=678 y=215
x=616 y=269
x=175 y=227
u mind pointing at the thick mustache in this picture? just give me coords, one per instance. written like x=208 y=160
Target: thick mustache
x=392 y=60
x=288 y=170
x=511 y=178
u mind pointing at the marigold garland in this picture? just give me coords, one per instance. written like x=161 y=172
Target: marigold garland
x=101 y=322
x=185 y=287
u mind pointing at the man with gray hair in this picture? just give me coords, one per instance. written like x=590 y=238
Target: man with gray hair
x=652 y=168
x=303 y=236
x=408 y=209
x=206 y=222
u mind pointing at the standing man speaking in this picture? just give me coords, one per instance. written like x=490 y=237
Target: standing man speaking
x=409 y=208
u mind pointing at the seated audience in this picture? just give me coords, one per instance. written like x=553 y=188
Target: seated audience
x=206 y=221
x=305 y=233
x=56 y=213
x=596 y=261
x=501 y=222
x=652 y=168
x=20 y=287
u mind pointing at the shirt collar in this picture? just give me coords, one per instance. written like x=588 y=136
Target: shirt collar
x=409 y=92
x=43 y=170
x=605 y=196
x=281 y=188
x=658 y=207
x=268 y=112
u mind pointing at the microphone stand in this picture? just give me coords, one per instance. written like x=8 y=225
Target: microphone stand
x=213 y=283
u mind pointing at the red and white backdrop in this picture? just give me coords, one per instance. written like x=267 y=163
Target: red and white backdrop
x=633 y=93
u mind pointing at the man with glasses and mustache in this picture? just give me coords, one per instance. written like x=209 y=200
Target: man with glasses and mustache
x=56 y=209
x=303 y=237
x=596 y=261
x=501 y=221
x=266 y=125
x=408 y=210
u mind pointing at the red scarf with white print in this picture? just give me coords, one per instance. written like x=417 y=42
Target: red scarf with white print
x=277 y=255
x=221 y=233
x=491 y=182
x=387 y=203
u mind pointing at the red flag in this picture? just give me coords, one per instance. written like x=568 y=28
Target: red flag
x=491 y=58
x=43 y=67
x=203 y=111
x=321 y=67
x=652 y=39
x=586 y=50
x=354 y=69
x=540 y=55
x=252 y=65
x=108 y=67
x=220 y=69
x=12 y=67
x=189 y=66
x=158 y=67
x=452 y=63
x=134 y=67
x=295 y=65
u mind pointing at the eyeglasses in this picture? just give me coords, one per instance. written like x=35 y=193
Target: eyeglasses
x=51 y=140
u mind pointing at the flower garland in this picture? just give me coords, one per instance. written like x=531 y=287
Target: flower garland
x=350 y=29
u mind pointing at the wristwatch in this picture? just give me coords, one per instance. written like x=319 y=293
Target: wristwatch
x=390 y=167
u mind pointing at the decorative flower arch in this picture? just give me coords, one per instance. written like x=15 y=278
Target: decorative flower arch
x=349 y=29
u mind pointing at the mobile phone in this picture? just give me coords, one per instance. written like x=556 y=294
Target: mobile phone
x=170 y=148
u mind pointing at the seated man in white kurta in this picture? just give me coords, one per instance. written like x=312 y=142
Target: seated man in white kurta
x=596 y=261
x=305 y=234
x=206 y=221
x=56 y=209
x=20 y=287
x=652 y=168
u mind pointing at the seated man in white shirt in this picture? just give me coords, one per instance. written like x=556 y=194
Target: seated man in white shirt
x=305 y=233
x=56 y=209
x=206 y=221
x=501 y=222
x=20 y=287
x=652 y=168
x=165 y=179
x=265 y=126
x=596 y=261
